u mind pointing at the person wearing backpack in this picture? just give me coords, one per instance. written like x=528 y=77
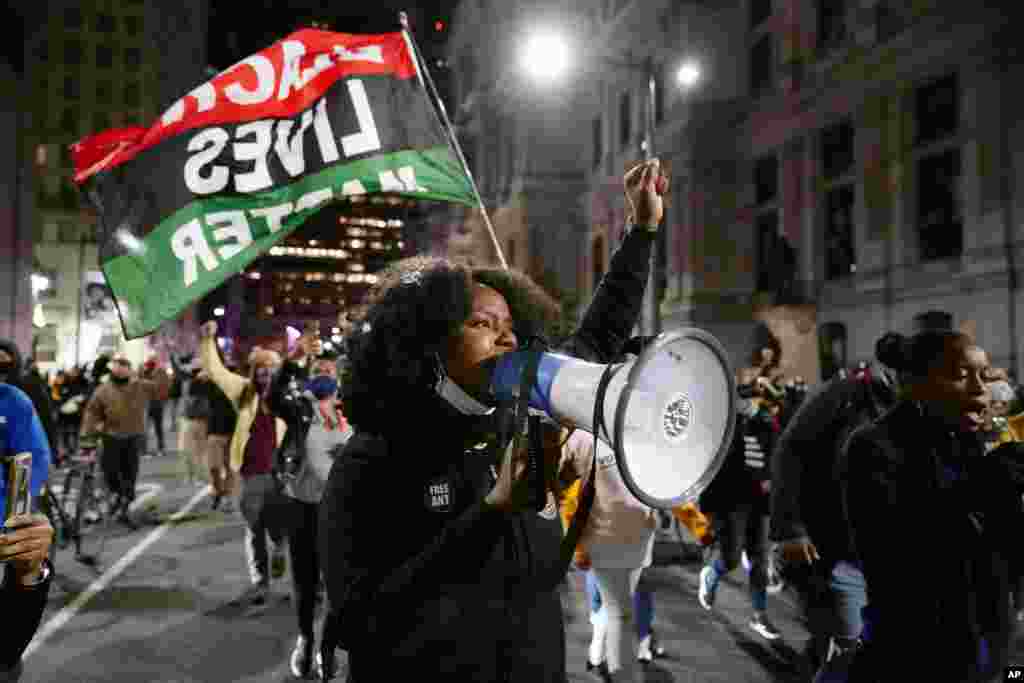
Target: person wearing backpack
x=304 y=394
x=807 y=519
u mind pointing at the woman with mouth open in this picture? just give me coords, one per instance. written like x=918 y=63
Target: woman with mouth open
x=435 y=562
x=935 y=522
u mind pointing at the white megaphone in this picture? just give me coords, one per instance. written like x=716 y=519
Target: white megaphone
x=670 y=412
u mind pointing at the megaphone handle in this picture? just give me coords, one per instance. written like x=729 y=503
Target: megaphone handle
x=535 y=464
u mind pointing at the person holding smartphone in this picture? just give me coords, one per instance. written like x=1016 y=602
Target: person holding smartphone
x=25 y=539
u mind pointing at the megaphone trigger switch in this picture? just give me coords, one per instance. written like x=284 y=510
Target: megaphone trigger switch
x=677 y=417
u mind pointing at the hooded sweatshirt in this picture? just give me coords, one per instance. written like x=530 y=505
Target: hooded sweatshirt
x=34 y=389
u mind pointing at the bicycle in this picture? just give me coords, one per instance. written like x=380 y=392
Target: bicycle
x=80 y=503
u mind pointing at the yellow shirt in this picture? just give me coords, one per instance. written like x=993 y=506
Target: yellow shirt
x=233 y=387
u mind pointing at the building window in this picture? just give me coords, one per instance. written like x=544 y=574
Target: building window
x=73 y=17
x=72 y=52
x=69 y=122
x=105 y=23
x=132 y=25
x=625 y=118
x=132 y=58
x=766 y=179
x=760 y=12
x=597 y=261
x=762 y=65
x=839 y=241
x=100 y=121
x=131 y=95
x=940 y=213
x=71 y=87
x=832 y=27
x=660 y=94
x=598 y=133
x=104 y=91
x=467 y=73
x=104 y=56
x=838 y=172
x=938 y=165
x=892 y=17
x=937 y=110
x=776 y=259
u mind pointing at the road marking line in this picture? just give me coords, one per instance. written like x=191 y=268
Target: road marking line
x=82 y=599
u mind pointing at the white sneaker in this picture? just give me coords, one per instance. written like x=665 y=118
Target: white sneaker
x=643 y=651
x=763 y=627
x=301 y=662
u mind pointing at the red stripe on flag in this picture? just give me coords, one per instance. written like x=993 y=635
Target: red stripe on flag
x=277 y=82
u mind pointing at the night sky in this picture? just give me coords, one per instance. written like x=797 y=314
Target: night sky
x=238 y=30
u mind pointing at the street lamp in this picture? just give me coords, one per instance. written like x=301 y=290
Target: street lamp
x=546 y=56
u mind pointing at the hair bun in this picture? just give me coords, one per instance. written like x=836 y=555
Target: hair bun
x=891 y=350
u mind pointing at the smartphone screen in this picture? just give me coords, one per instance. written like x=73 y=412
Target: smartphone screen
x=17 y=471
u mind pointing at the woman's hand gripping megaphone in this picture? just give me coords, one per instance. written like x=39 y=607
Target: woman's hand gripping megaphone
x=514 y=490
x=645 y=187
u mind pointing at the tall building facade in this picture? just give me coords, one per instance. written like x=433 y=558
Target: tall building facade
x=841 y=168
x=93 y=65
x=521 y=140
x=16 y=209
x=873 y=183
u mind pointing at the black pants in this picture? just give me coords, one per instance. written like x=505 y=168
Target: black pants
x=156 y=416
x=303 y=532
x=745 y=527
x=119 y=461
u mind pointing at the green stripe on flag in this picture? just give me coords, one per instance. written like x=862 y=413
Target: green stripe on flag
x=202 y=244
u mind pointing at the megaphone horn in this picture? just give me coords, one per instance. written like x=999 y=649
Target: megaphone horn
x=669 y=414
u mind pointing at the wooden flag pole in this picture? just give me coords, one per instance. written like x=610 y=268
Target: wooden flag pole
x=424 y=74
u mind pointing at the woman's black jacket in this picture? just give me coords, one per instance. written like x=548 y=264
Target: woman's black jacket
x=23 y=610
x=427 y=580
x=936 y=525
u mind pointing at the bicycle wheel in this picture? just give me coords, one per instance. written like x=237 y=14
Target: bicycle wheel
x=88 y=543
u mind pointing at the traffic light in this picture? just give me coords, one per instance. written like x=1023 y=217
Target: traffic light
x=439 y=25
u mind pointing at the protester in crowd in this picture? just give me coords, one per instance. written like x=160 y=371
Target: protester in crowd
x=193 y=430
x=996 y=429
x=467 y=586
x=912 y=481
x=737 y=500
x=257 y=435
x=25 y=542
x=155 y=411
x=807 y=520
x=116 y=415
x=305 y=394
x=617 y=543
x=12 y=371
x=73 y=392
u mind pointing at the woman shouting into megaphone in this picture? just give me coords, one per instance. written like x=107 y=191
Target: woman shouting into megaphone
x=436 y=563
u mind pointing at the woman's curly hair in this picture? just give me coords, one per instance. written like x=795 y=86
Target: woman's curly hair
x=416 y=307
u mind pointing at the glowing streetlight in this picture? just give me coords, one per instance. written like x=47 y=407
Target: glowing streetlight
x=219 y=311
x=546 y=56
x=39 y=283
x=688 y=74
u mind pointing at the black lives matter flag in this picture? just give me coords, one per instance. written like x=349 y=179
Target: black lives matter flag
x=241 y=161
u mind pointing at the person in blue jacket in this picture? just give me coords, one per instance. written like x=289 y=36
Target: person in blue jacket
x=24 y=540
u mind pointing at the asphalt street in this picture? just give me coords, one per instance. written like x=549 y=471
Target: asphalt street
x=162 y=607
